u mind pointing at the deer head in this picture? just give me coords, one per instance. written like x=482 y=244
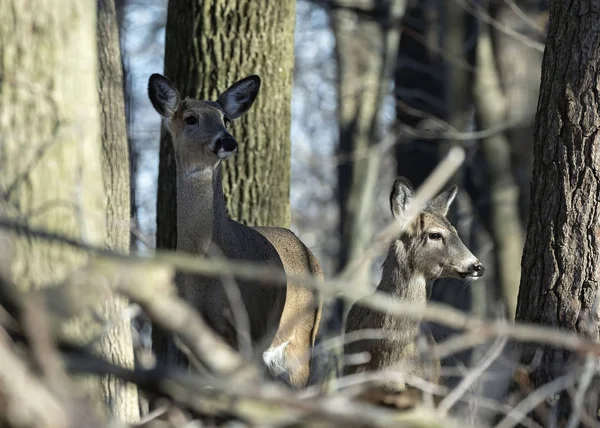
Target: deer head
x=199 y=128
x=430 y=245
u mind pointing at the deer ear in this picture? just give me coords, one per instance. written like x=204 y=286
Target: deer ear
x=239 y=97
x=163 y=95
x=401 y=196
x=441 y=203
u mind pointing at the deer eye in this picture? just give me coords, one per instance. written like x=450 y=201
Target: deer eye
x=191 y=120
x=435 y=236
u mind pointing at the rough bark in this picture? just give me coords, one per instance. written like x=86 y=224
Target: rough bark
x=117 y=343
x=209 y=46
x=560 y=275
x=50 y=153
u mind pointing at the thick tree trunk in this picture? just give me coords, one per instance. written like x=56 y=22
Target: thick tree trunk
x=209 y=46
x=50 y=153
x=560 y=276
x=117 y=343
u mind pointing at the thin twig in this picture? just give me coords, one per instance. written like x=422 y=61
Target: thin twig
x=456 y=394
x=535 y=398
x=434 y=312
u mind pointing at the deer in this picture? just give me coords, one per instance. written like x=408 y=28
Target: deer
x=428 y=248
x=283 y=321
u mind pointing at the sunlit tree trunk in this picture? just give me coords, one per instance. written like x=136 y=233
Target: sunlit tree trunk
x=366 y=49
x=52 y=160
x=122 y=396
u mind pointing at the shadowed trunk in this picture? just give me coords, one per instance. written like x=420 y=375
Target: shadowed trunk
x=560 y=276
x=419 y=83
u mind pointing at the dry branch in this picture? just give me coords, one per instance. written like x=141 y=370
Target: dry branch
x=24 y=400
x=434 y=312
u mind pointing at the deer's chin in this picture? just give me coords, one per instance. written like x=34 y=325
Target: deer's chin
x=469 y=277
x=224 y=154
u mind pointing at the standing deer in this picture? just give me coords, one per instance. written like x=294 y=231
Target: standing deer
x=286 y=318
x=427 y=249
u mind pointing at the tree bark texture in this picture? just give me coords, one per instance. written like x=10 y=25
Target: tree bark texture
x=117 y=343
x=561 y=260
x=210 y=45
x=50 y=153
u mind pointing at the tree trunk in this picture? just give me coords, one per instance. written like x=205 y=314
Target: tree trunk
x=210 y=45
x=50 y=153
x=503 y=221
x=419 y=83
x=560 y=275
x=519 y=66
x=117 y=343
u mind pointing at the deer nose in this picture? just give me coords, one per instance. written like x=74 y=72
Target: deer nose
x=478 y=269
x=228 y=143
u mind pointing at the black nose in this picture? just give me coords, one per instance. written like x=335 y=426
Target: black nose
x=478 y=269
x=228 y=143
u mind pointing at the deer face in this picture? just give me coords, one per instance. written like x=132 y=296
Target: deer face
x=431 y=246
x=199 y=128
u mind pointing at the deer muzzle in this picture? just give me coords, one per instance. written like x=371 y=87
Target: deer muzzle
x=226 y=146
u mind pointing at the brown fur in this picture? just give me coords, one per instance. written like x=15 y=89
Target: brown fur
x=204 y=229
x=413 y=260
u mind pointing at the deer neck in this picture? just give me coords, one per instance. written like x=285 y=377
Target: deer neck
x=400 y=279
x=201 y=215
x=402 y=283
